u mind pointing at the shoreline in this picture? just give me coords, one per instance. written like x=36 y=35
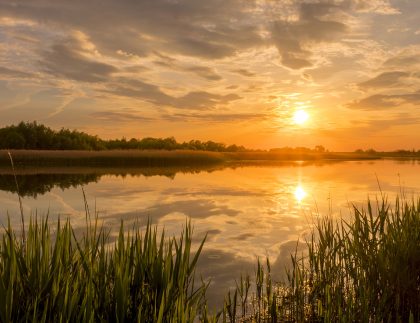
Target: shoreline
x=133 y=159
x=174 y=156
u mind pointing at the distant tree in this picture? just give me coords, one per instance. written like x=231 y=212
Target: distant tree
x=14 y=140
x=31 y=135
x=235 y=148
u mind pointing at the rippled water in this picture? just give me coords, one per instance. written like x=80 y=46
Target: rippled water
x=246 y=211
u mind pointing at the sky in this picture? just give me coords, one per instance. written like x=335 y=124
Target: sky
x=233 y=71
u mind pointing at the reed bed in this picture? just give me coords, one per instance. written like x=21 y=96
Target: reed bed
x=249 y=156
x=162 y=158
x=52 y=276
x=363 y=270
x=366 y=270
x=143 y=158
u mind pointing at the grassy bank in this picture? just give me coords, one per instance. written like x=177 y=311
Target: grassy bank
x=114 y=158
x=363 y=270
x=160 y=158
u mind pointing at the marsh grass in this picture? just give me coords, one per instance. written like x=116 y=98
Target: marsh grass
x=143 y=158
x=163 y=158
x=52 y=276
x=366 y=270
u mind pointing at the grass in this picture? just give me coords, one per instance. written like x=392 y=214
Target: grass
x=148 y=158
x=363 y=270
x=55 y=277
x=161 y=158
x=366 y=270
x=268 y=156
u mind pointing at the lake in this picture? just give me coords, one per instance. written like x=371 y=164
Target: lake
x=247 y=211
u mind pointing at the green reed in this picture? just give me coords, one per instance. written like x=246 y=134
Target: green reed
x=53 y=276
x=363 y=270
x=111 y=158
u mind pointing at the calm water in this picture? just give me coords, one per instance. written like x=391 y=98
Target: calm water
x=246 y=211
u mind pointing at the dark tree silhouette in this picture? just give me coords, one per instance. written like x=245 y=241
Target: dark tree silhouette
x=31 y=135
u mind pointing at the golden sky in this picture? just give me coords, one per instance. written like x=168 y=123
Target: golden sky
x=234 y=71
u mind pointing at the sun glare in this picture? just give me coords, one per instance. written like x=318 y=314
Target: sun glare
x=300 y=117
x=300 y=194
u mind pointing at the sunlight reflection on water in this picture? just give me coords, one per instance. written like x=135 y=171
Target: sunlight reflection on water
x=246 y=211
x=300 y=193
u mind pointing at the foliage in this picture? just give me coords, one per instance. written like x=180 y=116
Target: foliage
x=56 y=277
x=366 y=270
x=34 y=136
x=395 y=153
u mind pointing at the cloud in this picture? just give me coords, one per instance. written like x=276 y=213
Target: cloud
x=386 y=79
x=186 y=60
x=402 y=119
x=139 y=90
x=295 y=39
x=65 y=59
x=119 y=116
x=184 y=27
x=376 y=6
x=403 y=60
x=205 y=72
x=129 y=116
x=74 y=59
x=37 y=106
x=201 y=100
x=12 y=73
x=401 y=75
x=244 y=72
x=195 y=100
x=215 y=117
x=371 y=128
x=385 y=101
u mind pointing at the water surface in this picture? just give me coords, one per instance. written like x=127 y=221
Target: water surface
x=247 y=212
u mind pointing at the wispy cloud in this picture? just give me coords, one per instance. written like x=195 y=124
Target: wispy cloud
x=386 y=79
x=383 y=101
x=196 y=100
x=120 y=116
x=65 y=60
x=6 y=73
x=296 y=39
x=210 y=63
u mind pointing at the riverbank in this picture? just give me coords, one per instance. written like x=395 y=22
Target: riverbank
x=164 y=158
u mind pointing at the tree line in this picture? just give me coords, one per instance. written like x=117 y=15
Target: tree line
x=398 y=152
x=31 y=135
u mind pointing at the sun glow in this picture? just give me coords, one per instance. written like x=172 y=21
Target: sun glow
x=300 y=117
x=300 y=194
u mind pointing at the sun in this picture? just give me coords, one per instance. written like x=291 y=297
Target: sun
x=300 y=117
